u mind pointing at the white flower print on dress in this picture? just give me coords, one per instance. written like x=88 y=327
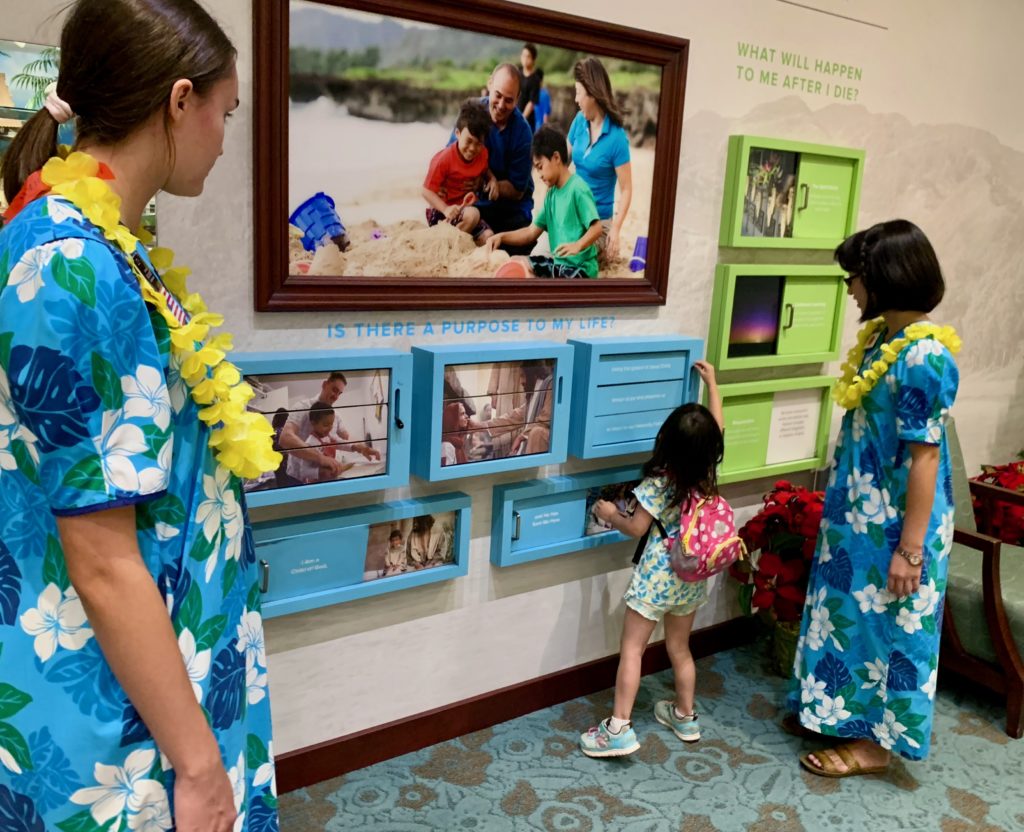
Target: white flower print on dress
x=236 y=775
x=156 y=477
x=927 y=599
x=928 y=688
x=909 y=621
x=221 y=511
x=266 y=772
x=119 y=443
x=27 y=274
x=859 y=424
x=811 y=689
x=878 y=676
x=831 y=710
x=58 y=619
x=250 y=638
x=121 y=787
x=917 y=353
x=197 y=664
x=873 y=599
x=145 y=395
x=820 y=628
x=859 y=485
x=153 y=816
x=889 y=731
x=60 y=211
x=255 y=682
x=946 y=533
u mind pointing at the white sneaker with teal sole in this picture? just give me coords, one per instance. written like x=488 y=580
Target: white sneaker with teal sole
x=687 y=728
x=600 y=742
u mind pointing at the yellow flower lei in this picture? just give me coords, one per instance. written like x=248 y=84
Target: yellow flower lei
x=852 y=388
x=242 y=443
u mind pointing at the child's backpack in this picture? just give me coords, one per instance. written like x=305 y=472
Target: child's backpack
x=707 y=542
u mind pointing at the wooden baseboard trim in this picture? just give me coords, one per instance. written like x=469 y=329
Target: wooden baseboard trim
x=332 y=758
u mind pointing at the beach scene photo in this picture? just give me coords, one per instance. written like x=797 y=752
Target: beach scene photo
x=382 y=183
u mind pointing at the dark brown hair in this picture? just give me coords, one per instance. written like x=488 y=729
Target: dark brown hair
x=590 y=72
x=897 y=265
x=119 y=60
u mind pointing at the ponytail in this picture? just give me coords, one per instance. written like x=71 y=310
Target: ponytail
x=32 y=146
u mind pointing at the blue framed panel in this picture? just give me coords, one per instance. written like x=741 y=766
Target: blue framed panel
x=330 y=558
x=372 y=413
x=544 y=518
x=624 y=388
x=481 y=409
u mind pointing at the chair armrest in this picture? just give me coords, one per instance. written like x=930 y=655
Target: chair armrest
x=987 y=494
x=992 y=595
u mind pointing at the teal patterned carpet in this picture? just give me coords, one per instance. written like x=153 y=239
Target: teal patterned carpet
x=743 y=775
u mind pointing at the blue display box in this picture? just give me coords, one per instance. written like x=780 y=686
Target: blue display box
x=340 y=419
x=625 y=388
x=330 y=558
x=545 y=518
x=481 y=409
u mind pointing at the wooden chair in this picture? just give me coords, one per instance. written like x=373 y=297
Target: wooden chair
x=983 y=622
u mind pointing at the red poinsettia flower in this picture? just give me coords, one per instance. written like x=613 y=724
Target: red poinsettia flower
x=780 y=585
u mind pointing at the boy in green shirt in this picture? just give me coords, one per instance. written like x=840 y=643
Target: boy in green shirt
x=569 y=215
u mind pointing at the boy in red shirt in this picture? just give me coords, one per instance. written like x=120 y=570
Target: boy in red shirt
x=458 y=172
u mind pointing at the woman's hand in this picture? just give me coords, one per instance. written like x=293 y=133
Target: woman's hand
x=904 y=579
x=204 y=802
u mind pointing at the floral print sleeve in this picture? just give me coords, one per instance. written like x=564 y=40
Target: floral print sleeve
x=926 y=379
x=84 y=410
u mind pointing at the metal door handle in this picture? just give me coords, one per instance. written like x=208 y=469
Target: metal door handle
x=789 y=313
x=805 y=189
x=264 y=576
x=398 y=401
x=516 y=525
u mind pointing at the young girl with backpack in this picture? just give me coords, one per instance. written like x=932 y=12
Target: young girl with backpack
x=679 y=485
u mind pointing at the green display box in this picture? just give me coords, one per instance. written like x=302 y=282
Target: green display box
x=768 y=316
x=775 y=427
x=785 y=194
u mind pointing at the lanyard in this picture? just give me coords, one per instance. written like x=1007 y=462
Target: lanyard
x=153 y=279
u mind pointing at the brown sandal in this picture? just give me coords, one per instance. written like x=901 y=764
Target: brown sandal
x=791 y=725
x=829 y=768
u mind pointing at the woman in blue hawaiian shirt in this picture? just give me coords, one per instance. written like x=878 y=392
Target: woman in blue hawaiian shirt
x=868 y=650
x=133 y=685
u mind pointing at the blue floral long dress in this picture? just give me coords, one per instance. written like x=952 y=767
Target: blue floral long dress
x=866 y=661
x=94 y=415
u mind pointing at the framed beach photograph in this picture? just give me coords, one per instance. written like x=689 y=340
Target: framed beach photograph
x=410 y=181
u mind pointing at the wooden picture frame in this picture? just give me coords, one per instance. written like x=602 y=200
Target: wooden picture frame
x=277 y=291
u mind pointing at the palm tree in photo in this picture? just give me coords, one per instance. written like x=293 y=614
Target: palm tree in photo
x=36 y=74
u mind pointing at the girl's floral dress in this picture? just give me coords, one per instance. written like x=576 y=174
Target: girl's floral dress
x=94 y=415
x=866 y=661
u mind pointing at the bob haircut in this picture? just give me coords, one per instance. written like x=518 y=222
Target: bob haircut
x=897 y=265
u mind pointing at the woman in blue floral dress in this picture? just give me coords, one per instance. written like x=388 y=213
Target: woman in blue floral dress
x=868 y=650
x=133 y=686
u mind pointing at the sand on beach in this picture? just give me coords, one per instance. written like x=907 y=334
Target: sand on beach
x=381 y=205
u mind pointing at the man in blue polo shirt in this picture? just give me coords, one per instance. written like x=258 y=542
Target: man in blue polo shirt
x=508 y=203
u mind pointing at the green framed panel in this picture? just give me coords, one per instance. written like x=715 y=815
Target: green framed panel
x=775 y=315
x=775 y=427
x=789 y=194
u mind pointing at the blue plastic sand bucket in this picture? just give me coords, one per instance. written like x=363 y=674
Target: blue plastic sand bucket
x=638 y=262
x=317 y=220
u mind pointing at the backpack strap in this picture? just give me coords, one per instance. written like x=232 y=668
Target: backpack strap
x=641 y=544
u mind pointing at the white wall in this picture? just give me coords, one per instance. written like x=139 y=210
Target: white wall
x=937 y=113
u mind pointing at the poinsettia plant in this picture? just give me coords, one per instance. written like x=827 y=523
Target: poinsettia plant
x=1007 y=520
x=780 y=539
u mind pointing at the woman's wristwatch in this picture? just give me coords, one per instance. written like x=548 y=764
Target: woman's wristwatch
x=913 y=558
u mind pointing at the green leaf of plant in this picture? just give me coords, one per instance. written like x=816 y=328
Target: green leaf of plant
x=833 y=605
x=912 y=720
x=227 y=580
x=848 y=692
x=875 y=577
x=155 y=439
x=26 y=464
x=6 y=337
x=169 y=510
x=841 y=622
x=86 y=475
x=55 y=569
x=253 y=600
x=14 y=743
x=876 y=534
x=255 y=752
x=841 y=639
x=107 y=383
x=209 y=631
x=928 y=624
x=203 y=548
x=746 y=593
x=191 y=611
x=900 y=706
x=84 y=822
x=75 y=276
x=12 y=700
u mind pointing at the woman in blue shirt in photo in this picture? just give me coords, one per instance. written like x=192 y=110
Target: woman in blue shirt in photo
x=600 y=150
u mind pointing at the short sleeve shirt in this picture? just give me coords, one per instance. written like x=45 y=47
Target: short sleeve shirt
x=451 y=177
x=510 y=157
x=566 y=215
x=596 y=163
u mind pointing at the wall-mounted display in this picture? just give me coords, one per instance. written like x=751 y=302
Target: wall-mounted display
x=624 y=388
x=774 y=427
x=482 y=409
x=403 y=222
x=338 y=419
x=326 y=559
x=543 y=518
x=786 y=194
x=764 y=316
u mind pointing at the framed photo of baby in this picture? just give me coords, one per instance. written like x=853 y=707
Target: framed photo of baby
x=328 y=425
x=466 y=154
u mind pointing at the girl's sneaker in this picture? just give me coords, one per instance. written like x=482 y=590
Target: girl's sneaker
x=687 y=728
x=600 y=742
